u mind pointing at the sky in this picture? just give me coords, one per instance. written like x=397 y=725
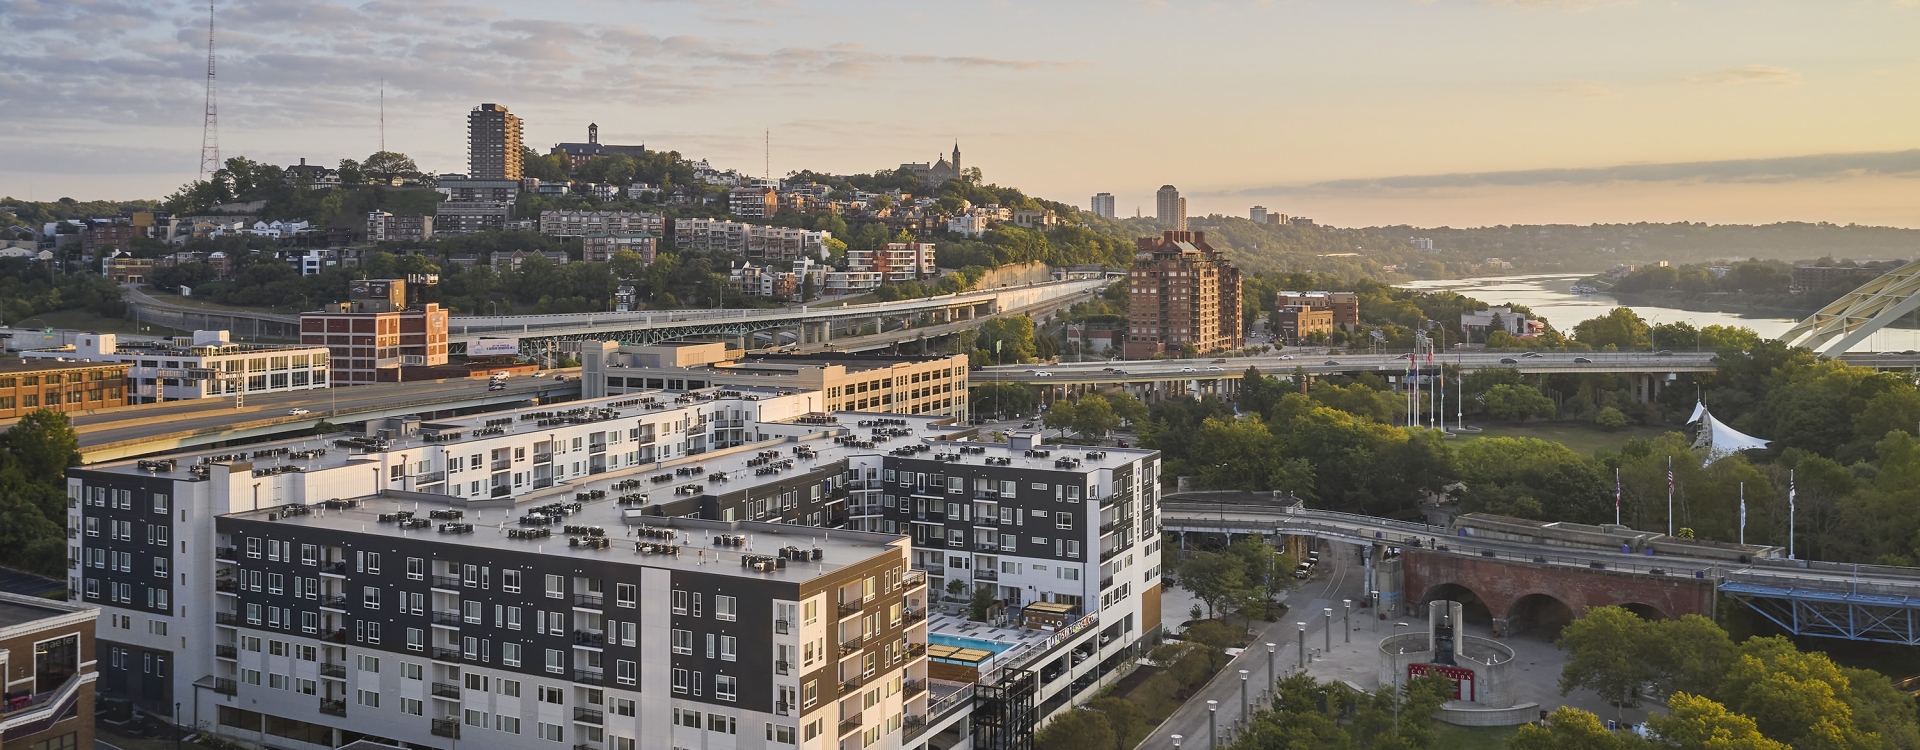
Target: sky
x=1352 y=112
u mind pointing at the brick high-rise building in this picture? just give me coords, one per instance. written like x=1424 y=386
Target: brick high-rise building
x=1182 y=293
x=493 y=143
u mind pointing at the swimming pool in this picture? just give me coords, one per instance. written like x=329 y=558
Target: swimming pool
x=959 y=642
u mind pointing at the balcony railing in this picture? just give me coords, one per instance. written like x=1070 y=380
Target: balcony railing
x=446 y=618
x=337 y=567
x=1109 y=554
x=502 y=465
x=226 y=618
x=850 y=726
x=917 y=578
x=850 y=645
x=985 y=574
x=914 y=615
x=431 y=477
x=914 y=687
x=444 y=654
x=782 y=667
x=588 y=715
x=1106 y=583
x=227 y=553
x=447 y=728
x=336 y=601
x=851 y=684
x=444 y=690
x=337 y=636
x=849 y=608
x=446 y=582
x=336 y=671
x=225 y=686
x=336 y=708
x=782 y=627
x=590 y=600
x=985 y=547
x=590 y=676
x=226 y=585
x=589 y=638
x=543 y=458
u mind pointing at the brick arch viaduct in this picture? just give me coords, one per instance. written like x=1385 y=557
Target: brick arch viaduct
x=1506 y=586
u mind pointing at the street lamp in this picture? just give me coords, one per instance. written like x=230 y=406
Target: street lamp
x=1246 y=706
x=1176 y=742
x=1272 y=676
x=1329 y=630
x=1303 y=644
x=1346 y=621
x=1213 y=724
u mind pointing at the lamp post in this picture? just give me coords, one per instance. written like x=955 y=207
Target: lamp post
x=1346 y=621
x=1328 y=612
x=1272 y=676
x=1303 y=644
x=1246 y=706
x=1176 y=742
x=1213 y=724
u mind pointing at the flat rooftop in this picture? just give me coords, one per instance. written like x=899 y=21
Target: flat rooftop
x=625 y=527
x=50 y=365
x=16 y=609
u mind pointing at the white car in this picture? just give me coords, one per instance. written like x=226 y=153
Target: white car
x=297 y=412
x=1286 y=356
x=1187 y=369
x=1043 y=374
x=502 y=375
x=1216 y=369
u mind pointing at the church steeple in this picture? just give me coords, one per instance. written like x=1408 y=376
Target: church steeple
x=956 y=157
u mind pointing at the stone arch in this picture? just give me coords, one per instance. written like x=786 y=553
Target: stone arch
x=1539 y=613
x=1645 y=611
x=1474 y=609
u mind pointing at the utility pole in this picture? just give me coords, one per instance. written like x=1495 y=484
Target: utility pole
x=210 y=128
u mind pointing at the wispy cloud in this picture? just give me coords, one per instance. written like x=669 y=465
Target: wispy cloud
x=1777 y=170
x=1767 y=75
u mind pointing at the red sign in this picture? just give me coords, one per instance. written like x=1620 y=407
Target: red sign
x=1462 y=678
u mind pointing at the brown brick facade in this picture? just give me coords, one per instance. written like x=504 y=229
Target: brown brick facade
x=1505 y=586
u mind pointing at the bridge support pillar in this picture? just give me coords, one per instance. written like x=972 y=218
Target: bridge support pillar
x=1193 y=387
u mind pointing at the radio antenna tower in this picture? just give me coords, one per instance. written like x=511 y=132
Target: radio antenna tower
x=210 y=131
x=383 y=114
x=767 y=168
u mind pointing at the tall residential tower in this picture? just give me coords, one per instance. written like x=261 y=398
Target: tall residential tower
x=493 y=143
x=1182 y=293
x=1103 y=205
x=1170 y=208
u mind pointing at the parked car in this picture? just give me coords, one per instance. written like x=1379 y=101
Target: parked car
x=1303 y=570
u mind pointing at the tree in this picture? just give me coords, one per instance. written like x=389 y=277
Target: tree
x=1570 y=728
x=1059 y=415
x=1001 y=398
x=981 y=604
x=1695 y=721
x=1606 y=653
x=43 y=445
x=1216 y=579
x=1609 y=418
x=1516 y=403
x=1079 y=729
x=1127 y=407
x=1621 y=328
x=383 y=166
x=1093 y=417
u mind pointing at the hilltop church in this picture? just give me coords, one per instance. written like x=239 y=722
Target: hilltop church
x=936 y=174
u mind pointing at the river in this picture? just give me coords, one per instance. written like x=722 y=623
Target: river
x=1548 y=297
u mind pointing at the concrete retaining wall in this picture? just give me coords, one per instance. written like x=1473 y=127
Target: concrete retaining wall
x=1462 y=714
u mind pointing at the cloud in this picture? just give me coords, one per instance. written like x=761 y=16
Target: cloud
x=1776 y=170
x=1762 y=74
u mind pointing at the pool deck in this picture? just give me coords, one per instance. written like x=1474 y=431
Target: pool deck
x=1014 y=641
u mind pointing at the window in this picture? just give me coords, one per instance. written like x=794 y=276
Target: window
x=721 y=724
x=626 y=672
x=680 y=599
x=160 y=568
x=682 y=641
x=413 y=671
x=781 y=734
x=810 y=693
x=509 y=688
x=696 y=604
x=369 y=698
x=725 y=688
x=679 y=680
x=626 y=595
x=159 y=503
x=1063 y=520
x=729 y=647
x=416 y=640
x=513 y=618
x=510 y=654
x=416 y=569
x=474 y=718
x=370 y=597
x=412 y=707
x=508 y=724
x=509 y=579
x=369 y=663
x=476 y=682
x=550 y=732
x=556 y=587
x=620 y=707
x=686 y=717
x=726 y=608
x=551 y=694
x=556 y=661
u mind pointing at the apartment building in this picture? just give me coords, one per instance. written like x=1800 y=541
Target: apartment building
x=602 y=247
x=374 y=344
x=896 y=262
x=493 y=143
x=1170 y=208
x=583 y=223
x=467 y=217
x=1103 y=205
x=461 y=189
x=47 y=659
x=385 y=227
x=750 y=240
x=1344 y=306
x=1295 y=323
x=34 y=384
x=1182 y=293
x=410 y=584
x=845 y=382
x=205 y=365
x=753 y=202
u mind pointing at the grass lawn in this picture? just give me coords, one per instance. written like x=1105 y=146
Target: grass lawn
x=1450 y=737
x=1584 y=438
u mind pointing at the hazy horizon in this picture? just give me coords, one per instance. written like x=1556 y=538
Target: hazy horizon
x=1378 y=112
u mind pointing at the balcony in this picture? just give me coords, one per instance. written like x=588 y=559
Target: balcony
x=431 y=477
x=543 y=458
x=336 y=671
x=446 y=582
x=590 y=676
x=337 y=567
x=1106 y=583
x=449 y=619
x=782 y=708
x=850 y=645
x=849 y=609
x=444 y=690
x=586 y=715
x=589 y=638
x=1111 y=526
x=502 y=464
x=227 y=553
x=336 y=708
x=226 y=652
x=917 y=578
x=442 y=653
x=225 y=686
x=984 y=574
x=985 y=547
x=850 y=725
x=782 y=667
x=595 y=601
x=914 y=616
x=852 y=684
x=334 y=601
x=1110 y=554
x=337 y=636
x=913 y=688
x=916 y=649
x=226 y=586
x=447 y=728
x=782 y=627
x=226 y=618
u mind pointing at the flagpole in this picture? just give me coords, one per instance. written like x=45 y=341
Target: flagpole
x=1743 y=513
x=1669 y=496
x=1790 y=514
x=1616 y=496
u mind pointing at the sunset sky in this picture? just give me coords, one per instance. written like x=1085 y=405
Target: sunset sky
x=1353 y=112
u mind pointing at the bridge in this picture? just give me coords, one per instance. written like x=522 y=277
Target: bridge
x=1523 y=574
x=1856 y=315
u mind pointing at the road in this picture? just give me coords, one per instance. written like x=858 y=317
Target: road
x=108 y=426
x=1316 y=361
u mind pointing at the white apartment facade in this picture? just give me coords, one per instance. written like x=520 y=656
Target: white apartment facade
x=205 y=365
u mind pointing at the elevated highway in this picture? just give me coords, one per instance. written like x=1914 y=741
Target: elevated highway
x=1576 y=566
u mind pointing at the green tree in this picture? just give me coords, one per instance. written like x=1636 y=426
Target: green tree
x=1215 y=579
x=1621 y=328
x=1128 y=407
x=981 y=604
x=1609 y=418
x=1607 y=653
x=1093 y=417
x=1694 y=721
x=1079 y=729
x=1517 y=403
x=1569 y=728
x=383 y=167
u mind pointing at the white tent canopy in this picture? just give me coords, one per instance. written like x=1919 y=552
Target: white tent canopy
x=1720 y=440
